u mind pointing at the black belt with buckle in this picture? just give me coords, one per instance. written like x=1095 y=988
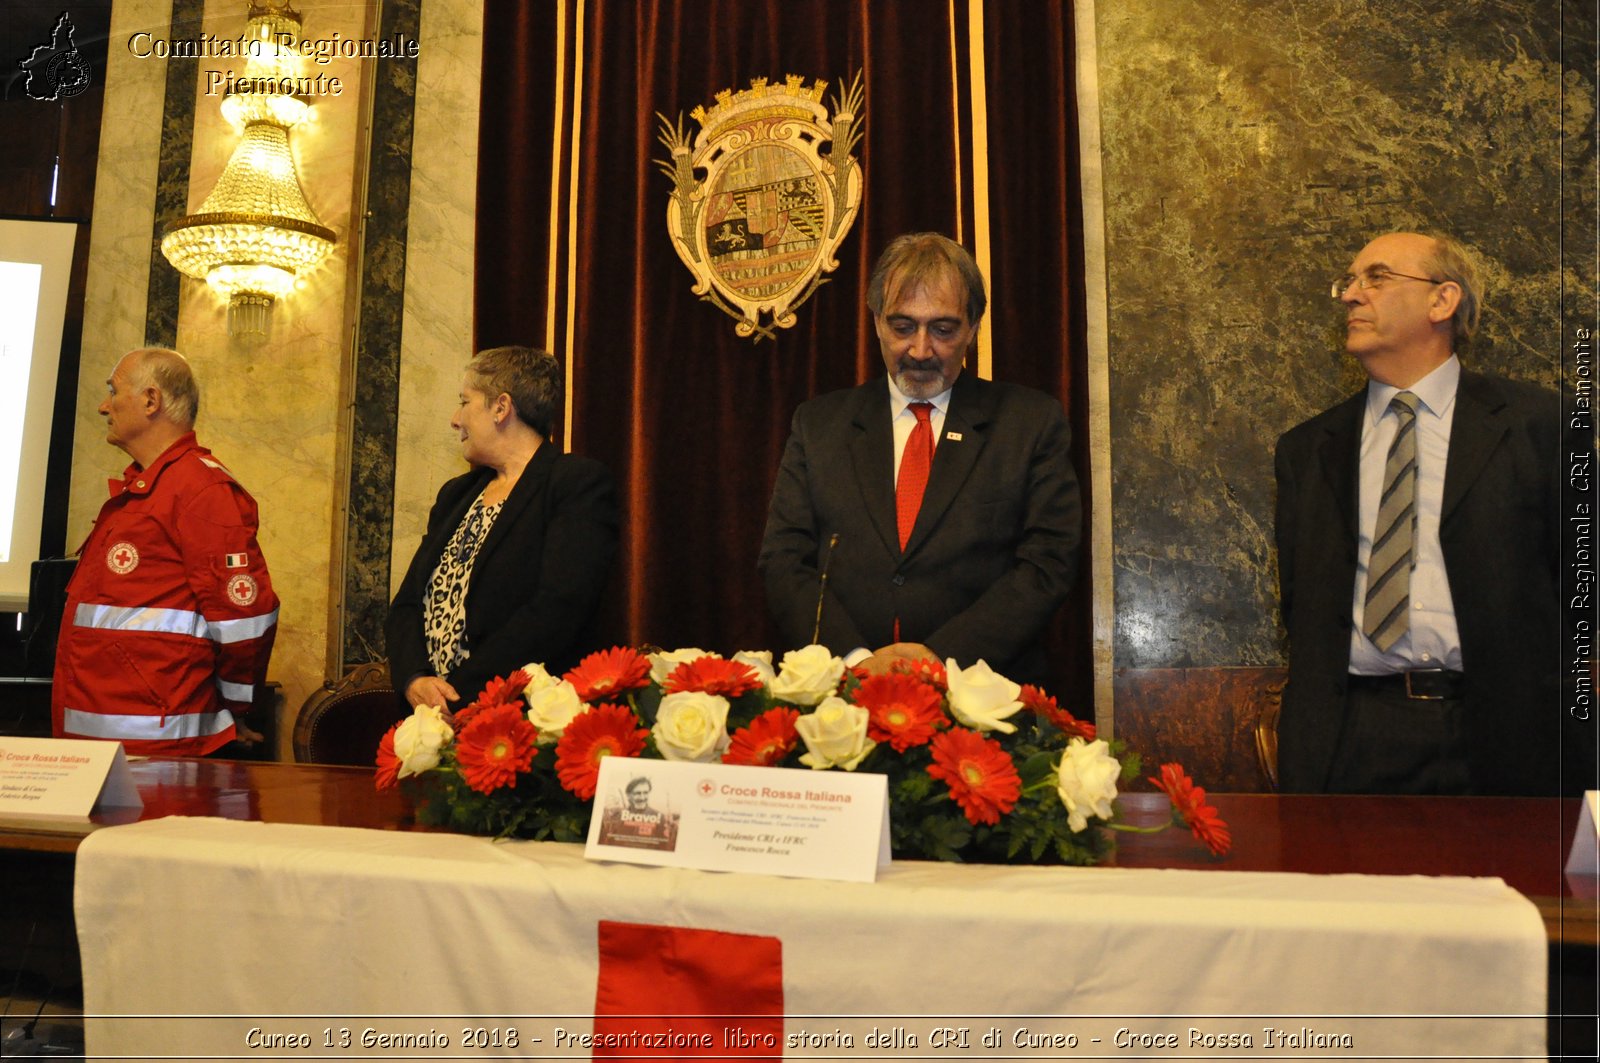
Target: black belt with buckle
x=1419 y=684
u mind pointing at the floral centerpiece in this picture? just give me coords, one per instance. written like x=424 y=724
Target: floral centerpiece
x=979 y=768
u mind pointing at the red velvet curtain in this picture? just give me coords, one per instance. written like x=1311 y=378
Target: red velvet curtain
x=691 y=418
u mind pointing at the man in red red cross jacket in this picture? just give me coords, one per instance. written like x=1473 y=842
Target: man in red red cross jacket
x=170 y=614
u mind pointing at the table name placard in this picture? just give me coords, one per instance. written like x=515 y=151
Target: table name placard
x=62 y=778
x=725 y=817
x=1583 y=858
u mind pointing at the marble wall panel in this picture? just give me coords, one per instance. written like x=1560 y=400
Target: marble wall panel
x=437 y=336
x=119 y=246
x=272 y=412
x=172 y=186
x=375 y=380
x=1250 y=147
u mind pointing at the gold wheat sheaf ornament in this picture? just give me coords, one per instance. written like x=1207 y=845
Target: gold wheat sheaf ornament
x=762 y=200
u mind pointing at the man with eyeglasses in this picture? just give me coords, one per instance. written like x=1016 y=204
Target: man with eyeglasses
x=925 y=514
x=1417 y=528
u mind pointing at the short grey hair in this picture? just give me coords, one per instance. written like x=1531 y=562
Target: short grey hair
x=1449 y=261
x=170 y=373
x=530 y=376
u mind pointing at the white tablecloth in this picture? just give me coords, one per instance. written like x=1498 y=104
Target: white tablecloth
x=248 y=921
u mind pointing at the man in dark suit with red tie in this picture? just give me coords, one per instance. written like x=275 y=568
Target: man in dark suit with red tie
x=928 y=513
x=1417 y=532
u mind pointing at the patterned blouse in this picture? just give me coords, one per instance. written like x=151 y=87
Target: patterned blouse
x=444 y=612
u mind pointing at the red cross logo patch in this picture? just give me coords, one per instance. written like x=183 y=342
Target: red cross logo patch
x=241 y=590
x=122 y=558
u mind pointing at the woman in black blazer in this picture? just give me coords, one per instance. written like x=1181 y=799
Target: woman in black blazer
x=517 y=552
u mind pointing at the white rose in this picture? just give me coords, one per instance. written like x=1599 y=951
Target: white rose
x=552 y=708
x=418 y=740
x=982 y=698
x=808 y=675
x=1087 y=781
x=663 y=663
x=835 y=735
x=692 y=725
x=538 y=679
x=761 y=661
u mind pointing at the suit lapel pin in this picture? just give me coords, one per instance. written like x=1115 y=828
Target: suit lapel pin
x=954 y=437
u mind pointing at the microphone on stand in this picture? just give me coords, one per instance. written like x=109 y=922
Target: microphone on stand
x=822 y=586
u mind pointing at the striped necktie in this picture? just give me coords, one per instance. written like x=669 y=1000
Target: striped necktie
x=1387 y=614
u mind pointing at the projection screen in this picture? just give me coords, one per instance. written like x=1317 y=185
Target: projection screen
x=35 y=266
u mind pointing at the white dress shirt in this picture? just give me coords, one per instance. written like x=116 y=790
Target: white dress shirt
x=903 y=420
x=1432 y=640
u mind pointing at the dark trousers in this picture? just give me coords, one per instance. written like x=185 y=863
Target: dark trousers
x=1393 y=744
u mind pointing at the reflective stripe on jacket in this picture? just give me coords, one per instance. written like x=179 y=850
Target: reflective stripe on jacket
x=170 y=614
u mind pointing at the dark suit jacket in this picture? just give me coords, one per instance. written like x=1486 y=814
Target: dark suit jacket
x=1498 y=530
x=537 y=579
x=994 y=550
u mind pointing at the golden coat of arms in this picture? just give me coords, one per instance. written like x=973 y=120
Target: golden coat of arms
x=760 y=228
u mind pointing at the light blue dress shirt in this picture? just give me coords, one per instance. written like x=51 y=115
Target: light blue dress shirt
x=1432 y=640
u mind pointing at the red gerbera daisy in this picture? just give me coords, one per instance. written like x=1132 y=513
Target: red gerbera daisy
x=603 y=731
x=979 y=773
x=459 y=719
x=1042 y=704
x=388 y=763
x=769 y=738
x=608 y=673
x=501 y=690
x=1189 y=802
x=713 y=675
x=497 y=745
x=927 y=669
x=504 y=691
x=903 y=711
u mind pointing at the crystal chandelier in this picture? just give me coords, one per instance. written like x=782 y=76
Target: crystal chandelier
x=255 y=233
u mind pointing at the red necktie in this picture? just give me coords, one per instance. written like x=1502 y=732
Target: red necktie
x=914 y=465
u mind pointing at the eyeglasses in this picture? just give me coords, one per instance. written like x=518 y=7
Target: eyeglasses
x=1372 y=278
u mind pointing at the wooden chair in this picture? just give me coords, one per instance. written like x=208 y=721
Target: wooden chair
x=1267 y=735
x=343 y=722
x=1206 y=719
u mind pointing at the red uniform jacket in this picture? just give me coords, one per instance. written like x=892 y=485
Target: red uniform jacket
x=170 y=614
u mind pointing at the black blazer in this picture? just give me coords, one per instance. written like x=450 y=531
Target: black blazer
x=1498 y=529
x=537 y=579
x=991 y=557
